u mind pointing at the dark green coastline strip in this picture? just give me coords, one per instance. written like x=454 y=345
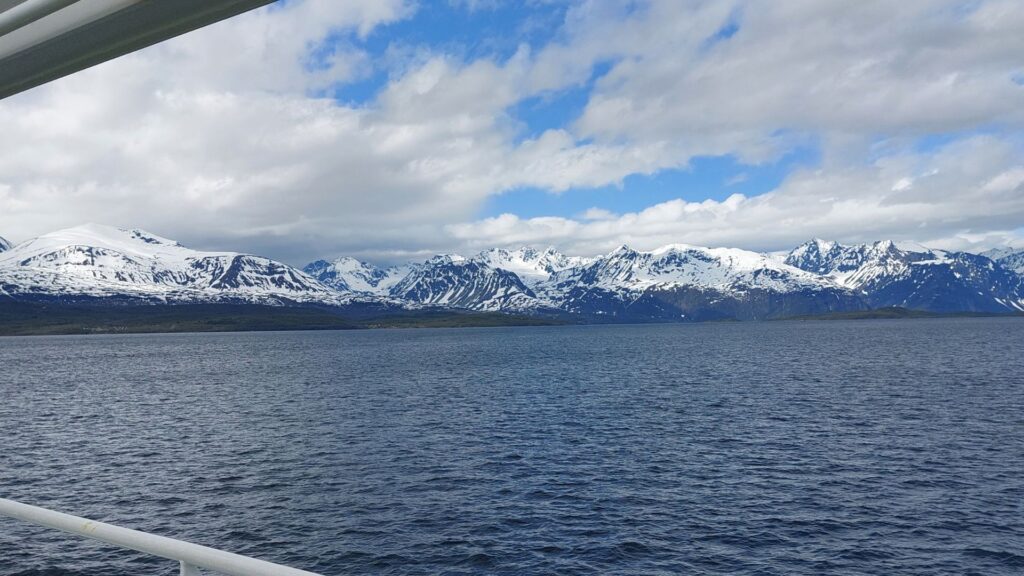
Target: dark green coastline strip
x=33 y=319
x=897 y=313
x=39 y=319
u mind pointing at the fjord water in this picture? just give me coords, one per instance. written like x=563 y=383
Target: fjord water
x=858 y=447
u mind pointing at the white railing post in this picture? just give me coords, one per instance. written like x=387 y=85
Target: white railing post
x=192 y=557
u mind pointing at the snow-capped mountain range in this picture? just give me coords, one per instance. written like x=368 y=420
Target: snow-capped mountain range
x=678 y=282
x=913 y=276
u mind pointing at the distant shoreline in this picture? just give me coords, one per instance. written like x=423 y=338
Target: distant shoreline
x=896 y=313
x=39 y=319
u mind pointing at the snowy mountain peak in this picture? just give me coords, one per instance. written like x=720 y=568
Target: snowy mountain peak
x=114 y=234
x=1002 y=252
x=348 y=274
x=465 y=283
x=835 y=259
x=1009 y=258
x=350 y=263
x=4 y=244
x=135 y=241
x=821 y=257
x=96 y=261
x=446 y=259
x=531 y=265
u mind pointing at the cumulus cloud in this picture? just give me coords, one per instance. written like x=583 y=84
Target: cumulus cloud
x=967 y=195
x=223 y=138
x=849 y=68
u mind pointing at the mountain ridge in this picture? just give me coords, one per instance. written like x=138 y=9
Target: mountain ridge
x=676 y=282
x=911 y=276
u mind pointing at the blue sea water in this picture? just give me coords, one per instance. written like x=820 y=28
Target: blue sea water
x=855 y=447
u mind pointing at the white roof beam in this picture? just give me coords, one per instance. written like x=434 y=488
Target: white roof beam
x=42 y=40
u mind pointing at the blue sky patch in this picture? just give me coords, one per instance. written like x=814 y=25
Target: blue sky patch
x=727 y=31
x=555 y=110
x=709 y=177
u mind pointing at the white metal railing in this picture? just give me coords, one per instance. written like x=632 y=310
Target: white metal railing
x=192 y=557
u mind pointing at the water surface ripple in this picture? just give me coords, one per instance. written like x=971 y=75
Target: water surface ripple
x=871 y=447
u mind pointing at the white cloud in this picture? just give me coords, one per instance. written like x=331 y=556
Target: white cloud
x=849 y=68
x=218 y=138
x=737 y=179
x=954 y=205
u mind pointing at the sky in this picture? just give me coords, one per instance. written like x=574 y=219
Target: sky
x=394 y=129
